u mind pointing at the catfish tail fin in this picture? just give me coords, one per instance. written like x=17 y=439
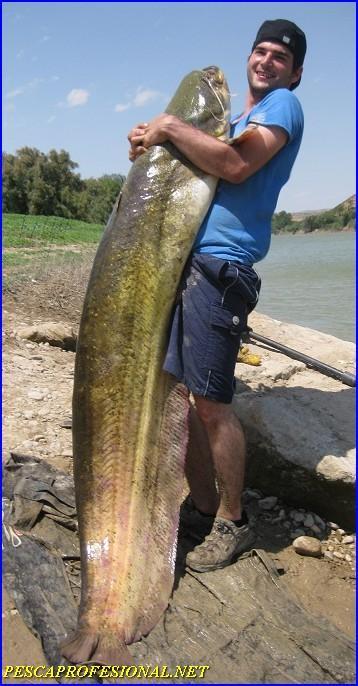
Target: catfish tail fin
x=104 y=648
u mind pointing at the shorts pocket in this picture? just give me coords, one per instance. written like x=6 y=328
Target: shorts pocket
x=224 y=318
x=223 y=342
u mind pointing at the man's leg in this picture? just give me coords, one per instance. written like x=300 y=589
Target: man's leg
x=231 y=533
x=227 y=446
x=199 y=469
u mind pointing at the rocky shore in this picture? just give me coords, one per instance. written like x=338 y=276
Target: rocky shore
x=300 y=424
x=299 y=427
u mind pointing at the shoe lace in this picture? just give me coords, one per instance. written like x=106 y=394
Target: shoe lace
x=211 y=540
x=223 y=528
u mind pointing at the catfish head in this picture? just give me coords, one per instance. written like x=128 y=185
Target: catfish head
x=203 y=100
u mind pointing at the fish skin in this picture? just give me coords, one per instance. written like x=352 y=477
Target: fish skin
x=130 y=419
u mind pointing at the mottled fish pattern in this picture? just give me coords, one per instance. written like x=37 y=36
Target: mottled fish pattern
x=130 y=419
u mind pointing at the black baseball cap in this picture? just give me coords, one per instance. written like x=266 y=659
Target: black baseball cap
x=287 y=33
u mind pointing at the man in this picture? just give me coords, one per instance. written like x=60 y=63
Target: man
x=220 y=287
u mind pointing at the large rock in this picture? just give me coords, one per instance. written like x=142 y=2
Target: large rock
x=300 y=423
x=55 y=333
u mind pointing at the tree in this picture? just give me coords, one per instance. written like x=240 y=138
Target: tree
x=98 y=196
x=35 y=183
x=40 y=199
x=281 y=221
x=18 y=175
x=65 y=184
x=9 y=190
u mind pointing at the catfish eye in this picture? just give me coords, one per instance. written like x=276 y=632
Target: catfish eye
x=219 y=77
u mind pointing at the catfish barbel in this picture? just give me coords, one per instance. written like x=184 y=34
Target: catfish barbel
x=130 y=419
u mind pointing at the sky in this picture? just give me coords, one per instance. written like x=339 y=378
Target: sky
x=78 y=75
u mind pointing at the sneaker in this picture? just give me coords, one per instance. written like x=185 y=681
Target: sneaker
x=224 y=543
x=195 y=522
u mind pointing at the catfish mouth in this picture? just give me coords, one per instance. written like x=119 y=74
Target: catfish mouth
x=215 y=80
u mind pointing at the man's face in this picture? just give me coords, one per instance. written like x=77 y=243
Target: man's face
x=270 y=66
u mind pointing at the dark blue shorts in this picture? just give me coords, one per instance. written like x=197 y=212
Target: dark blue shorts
x=214 y=299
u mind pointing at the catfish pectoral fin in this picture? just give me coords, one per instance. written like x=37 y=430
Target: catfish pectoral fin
x=105 y=648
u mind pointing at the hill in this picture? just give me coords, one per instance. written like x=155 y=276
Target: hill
x=299 y=216
x=345 y=205
x=339 y=218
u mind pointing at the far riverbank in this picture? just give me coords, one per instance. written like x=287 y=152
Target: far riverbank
x=310 y=233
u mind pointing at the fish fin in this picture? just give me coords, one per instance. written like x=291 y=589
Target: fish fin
x=106 y=648
x=111 y=650
x=80 y=646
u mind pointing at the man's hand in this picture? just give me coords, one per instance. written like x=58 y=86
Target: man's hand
x=157 y=130
x=144 y=135
x=135 y=138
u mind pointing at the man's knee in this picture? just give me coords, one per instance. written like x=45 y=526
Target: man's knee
x=210 y=411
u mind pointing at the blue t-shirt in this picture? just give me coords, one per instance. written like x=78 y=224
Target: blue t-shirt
x=238 y=223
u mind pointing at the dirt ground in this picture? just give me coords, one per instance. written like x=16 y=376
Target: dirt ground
x=37 y=382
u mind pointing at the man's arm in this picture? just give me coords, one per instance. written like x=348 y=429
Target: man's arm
x=234 y=163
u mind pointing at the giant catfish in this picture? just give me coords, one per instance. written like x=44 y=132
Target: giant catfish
x=130 y=419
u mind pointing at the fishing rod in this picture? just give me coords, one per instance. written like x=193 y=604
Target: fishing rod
x=344 y=377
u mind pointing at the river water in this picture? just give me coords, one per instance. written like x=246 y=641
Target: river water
x=309 y=280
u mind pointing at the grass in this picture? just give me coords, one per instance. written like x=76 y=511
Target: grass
x=22 y=256
x=27 y=231
x=46 y=262
x=15 y=260
x=47 y=282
